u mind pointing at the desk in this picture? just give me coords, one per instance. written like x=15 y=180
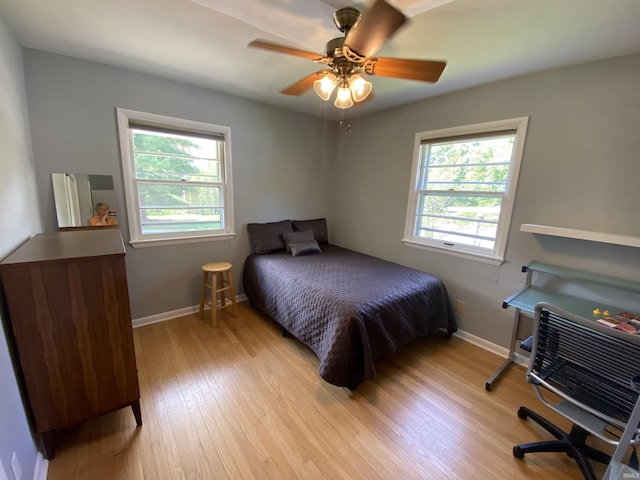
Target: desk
x=525 y=300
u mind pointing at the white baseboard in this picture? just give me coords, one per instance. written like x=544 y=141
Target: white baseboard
x=42 y=467
x=181 y=312
x=503 y=352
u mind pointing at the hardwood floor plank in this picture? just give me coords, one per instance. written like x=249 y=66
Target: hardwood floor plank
x=242 y=402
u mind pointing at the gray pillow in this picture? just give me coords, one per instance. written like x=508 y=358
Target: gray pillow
x=297 y=237
x=318 y=225
x=304 y=248
x=267 y=237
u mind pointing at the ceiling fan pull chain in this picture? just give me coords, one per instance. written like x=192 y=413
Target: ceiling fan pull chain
x=342 y=125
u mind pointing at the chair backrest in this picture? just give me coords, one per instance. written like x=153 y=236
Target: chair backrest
x=594 y=367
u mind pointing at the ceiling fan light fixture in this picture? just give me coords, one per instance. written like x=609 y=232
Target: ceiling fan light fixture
x=343 y=97
x=324 y=86
x=360 y=88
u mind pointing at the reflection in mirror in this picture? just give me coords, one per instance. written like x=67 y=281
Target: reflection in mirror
x=76 y=196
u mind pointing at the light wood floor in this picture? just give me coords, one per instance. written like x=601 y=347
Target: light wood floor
x=242 y=402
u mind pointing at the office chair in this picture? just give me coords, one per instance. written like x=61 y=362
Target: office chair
x=594 y=372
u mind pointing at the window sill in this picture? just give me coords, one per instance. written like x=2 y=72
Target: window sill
x=158 y=242
x=456 y=253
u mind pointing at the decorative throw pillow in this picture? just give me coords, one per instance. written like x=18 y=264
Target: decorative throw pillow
x=318 y=225
x=304 y=248
x=267 y=237
x=297 y=237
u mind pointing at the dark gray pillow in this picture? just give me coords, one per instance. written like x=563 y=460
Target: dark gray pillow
x=267 y=237
x=304 y=248
x=297 y=237
x=318 y=225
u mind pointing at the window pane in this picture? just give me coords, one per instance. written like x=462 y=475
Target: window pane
x=484 y=235
x=191 y=146
x=480 y=207
x=160 y=167
x=471 y=164
x=484 y=178
x=481 y=150
x=178 y=195
x=466 y=219
x=176 y=157
x=164 y=220
x=179 y=207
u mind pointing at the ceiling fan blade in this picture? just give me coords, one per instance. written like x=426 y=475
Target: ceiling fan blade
x=275 y=47
x=304 y=84
x=375 y=27
x=423 y=70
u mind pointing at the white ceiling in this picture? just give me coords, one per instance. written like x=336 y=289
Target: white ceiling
x=204 y=42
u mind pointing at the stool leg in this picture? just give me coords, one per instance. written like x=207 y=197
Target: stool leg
x=221 y=287
x=233 y=293
x=214 y=300
x=203 y=292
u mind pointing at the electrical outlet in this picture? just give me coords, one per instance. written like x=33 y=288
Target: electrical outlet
x=460 y=306
x=15 y=466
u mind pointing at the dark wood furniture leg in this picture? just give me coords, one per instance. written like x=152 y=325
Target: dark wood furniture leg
x=48 y=445
x=135 y=406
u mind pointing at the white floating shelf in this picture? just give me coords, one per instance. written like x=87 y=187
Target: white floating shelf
x=626 y=240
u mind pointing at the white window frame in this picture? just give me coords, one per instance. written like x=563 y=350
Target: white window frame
x=136 y=237
x=496 y=255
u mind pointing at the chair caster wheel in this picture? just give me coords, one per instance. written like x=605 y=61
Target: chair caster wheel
x=522 y=413
x=517 y=452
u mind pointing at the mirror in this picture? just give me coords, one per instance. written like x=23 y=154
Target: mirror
x=76 y=195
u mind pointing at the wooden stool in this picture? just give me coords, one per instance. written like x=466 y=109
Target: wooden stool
x=219 y=285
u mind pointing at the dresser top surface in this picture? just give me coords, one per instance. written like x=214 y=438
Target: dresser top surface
x=67 y=245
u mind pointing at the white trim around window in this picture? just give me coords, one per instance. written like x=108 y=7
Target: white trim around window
x=204 y=211
x=462 y=214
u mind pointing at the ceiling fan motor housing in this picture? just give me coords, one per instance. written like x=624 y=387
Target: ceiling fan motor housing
x=333 y=48
x=346 y=18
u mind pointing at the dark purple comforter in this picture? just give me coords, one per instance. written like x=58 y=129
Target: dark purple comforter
x=349 y=308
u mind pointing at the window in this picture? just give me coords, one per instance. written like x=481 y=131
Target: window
x=177 y=179
x=463 y=188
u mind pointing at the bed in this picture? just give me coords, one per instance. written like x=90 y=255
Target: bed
x=349 y=308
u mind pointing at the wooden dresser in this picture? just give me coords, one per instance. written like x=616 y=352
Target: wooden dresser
x=68 y=306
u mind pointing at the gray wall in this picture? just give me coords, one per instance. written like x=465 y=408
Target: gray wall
x=581 y=169
x=21 y=220
x=280 y=161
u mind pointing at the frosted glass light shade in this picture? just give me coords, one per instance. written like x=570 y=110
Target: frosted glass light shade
x=360 y=88
x=325 y=85
x=343 y=97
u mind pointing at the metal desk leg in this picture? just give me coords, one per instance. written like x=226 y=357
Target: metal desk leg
x=512 y=353
x=615 y=465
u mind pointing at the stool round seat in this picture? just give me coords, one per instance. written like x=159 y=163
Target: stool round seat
x=217 y=267
x=221 y=287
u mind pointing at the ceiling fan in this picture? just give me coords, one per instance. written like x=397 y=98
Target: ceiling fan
x=351 y=56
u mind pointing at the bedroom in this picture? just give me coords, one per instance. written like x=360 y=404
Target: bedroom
x=588 y=175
